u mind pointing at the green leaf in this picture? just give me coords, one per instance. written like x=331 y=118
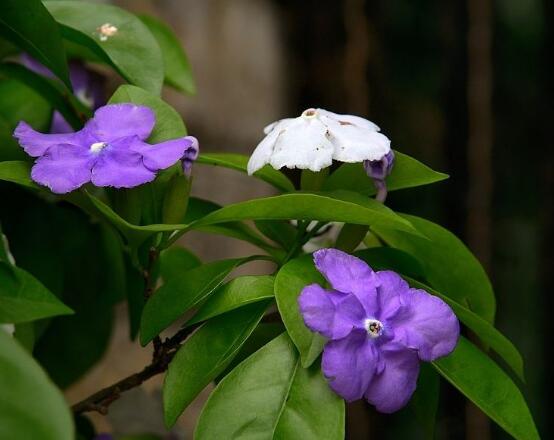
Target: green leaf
x=205 y=355
x=132 y=50
x=29 y=25
x=239 y=161
x=17 y=172
x=74 y=112
x=178 y=72
x=182 y=293
x=175 y=261
x=385 y=258
x=23 y=298
x=407 y=173
x=236 y=293
x=425 y=400
x=270 y=396
x=289 y=282
x=169 y=124
x=280 y=231
x=465 y=281
x=339 y=206
x=31 y=407
x=483 y=382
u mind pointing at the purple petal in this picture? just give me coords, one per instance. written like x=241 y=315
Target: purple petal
x=163 y=155
x=349 y=364
x=390 y=293
x=121 y=167
x=35 y=144
x=115 y=121
x=63 y=168
x=427 y=324
x=393 y=387
x=333 y=314
x=348 y=274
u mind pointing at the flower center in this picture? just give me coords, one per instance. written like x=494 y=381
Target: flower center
x=97 y=147
x=373 y=327
x=310 y=113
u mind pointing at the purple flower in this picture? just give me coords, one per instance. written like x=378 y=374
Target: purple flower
x=108 y=151
x=88 y=87
x=378 y=170
x=379 y=329
x=190 y=155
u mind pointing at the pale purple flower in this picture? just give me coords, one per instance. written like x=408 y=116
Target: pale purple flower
x=190 y=155
x=110 y=150
x=88 y=87
x=378 y=329
x=378 y=170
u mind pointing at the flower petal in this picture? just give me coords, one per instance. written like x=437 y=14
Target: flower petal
x=355 y=144
x=63 y=168
x=303 y=144
x=262 y=154
x=390 y=293
x=349 y=364
x=347 y=119
x=36 y=144
x=349 y=274
x=392 y=388
x=273 y=125
x=426 y=324
x=333 y=314
x=121 y=167
x=163 y=155
x=115 y=121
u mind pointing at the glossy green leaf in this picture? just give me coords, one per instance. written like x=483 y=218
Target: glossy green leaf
x=236 y=293
x=23 y=298
x=178 y=72
x=425 y=400
x=289 y=282
x=175 y=261
x=132 y=50
x=280 y=231
x=169 y=124
x=205 y=355
x=407 y=173
x=465 y=281
x=31 y=407
x=29 y=25
x=239 y=161
x=182 y=293
x=270 y=396
x=483 y=382
x=385 y=258
x=17 y=172
x=74 y=112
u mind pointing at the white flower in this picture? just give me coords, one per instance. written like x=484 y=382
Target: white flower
x=316 y=138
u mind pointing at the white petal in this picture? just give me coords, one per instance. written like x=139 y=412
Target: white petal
x=355 y=144
x=350 y=119
x=303 y=144
x=262 y=153
x=270 y=127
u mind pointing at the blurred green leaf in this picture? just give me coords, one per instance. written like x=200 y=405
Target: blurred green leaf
x=29 y=25
x=23 y=298
x=73 y=111
x=465 y=281
x=178 y=72
x=236 y=293
x=132 y=50
x=289 y=282
x=31 y=407
x=407 y=173
x=270 y=396
x=17 y=172
x=425 y=400
x=182 y=293
x=205 y=355
x=176 y=260
x=239 y=161
x=483 y=382
x=169 y=124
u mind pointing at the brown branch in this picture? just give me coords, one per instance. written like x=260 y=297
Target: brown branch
x=101 y=400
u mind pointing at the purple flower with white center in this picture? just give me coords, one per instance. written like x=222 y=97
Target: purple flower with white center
x=378 y=329
x=110 y=150
x=88 y=87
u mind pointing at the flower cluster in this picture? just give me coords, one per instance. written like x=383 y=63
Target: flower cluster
x=110 y=150
x=378 y=329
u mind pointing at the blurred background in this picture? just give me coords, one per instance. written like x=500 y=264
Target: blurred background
x=463 y=86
